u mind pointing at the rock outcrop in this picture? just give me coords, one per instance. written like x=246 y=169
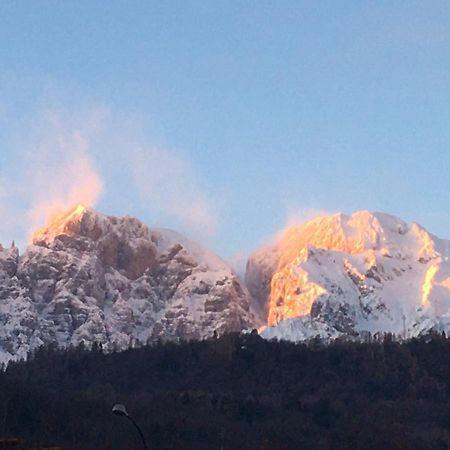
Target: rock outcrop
x=91 y=278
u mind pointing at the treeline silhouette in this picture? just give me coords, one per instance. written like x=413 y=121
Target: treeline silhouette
x=235 y=392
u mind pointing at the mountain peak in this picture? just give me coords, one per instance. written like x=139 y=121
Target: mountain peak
x=357 y=233
x=92 y=277
x=353 y=273
x=67 y=222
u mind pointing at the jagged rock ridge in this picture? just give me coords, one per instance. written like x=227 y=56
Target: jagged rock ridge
x=89 y=277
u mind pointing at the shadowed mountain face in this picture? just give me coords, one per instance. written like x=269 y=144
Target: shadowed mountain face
x=348 y=275
x=90 y=278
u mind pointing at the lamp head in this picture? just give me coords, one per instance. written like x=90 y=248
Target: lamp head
x=120 y=410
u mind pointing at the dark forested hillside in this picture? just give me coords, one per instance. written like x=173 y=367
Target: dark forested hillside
x=236 y=392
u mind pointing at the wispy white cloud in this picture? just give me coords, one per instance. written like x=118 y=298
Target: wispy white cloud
x=166 y=180
x=297 y=215
x=238 y=261
x=55 y=172
x=59 y=168
x=79 y=155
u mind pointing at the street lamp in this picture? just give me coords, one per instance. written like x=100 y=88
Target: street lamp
x=120 y=410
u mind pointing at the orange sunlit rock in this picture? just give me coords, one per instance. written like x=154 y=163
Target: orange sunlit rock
x=365 y=237
x=292 y=295
x=59 y=223
x=428 y=282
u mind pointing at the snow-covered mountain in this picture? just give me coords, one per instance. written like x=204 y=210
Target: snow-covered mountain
x=88 y=277
x=96 y=278
x=348 y=275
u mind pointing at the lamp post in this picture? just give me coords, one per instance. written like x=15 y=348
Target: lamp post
x=120 y=410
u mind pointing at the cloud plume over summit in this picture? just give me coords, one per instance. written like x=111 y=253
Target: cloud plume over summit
x=81 y=155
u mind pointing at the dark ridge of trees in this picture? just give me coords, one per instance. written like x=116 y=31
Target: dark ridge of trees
x=236 y=392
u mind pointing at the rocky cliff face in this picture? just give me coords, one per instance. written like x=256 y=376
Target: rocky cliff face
x=350 y=275
x=90 y=278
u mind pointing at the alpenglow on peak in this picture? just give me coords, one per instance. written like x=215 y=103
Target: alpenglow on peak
x=349 y=275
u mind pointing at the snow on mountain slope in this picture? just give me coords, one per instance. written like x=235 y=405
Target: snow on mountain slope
x=348 y=275
x=90 y=278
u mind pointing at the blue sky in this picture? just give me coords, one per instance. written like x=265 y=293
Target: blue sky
x=226 y=119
